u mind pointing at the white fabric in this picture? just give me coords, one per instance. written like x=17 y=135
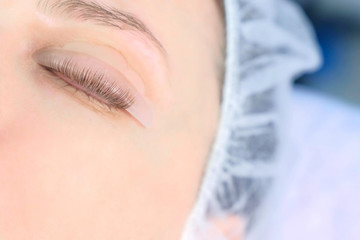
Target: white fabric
x=269 y=42
x=317 y=196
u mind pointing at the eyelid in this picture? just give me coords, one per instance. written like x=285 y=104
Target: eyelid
x=109 y=56
x=141 y=108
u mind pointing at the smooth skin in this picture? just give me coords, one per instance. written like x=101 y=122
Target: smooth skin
x=70 y=172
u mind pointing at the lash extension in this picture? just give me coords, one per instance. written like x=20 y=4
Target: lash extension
x=92 y=83
x=97 y=80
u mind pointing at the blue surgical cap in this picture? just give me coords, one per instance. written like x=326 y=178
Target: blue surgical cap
x=269 y=44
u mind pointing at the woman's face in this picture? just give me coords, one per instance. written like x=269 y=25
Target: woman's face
x=105 y=122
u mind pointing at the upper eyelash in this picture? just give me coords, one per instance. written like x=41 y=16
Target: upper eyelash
x=95 y=83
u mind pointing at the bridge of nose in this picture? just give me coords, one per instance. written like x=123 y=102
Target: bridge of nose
x=16 y=87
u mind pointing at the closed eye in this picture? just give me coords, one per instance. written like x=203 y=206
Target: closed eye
x=92 y=83
x=97 y=80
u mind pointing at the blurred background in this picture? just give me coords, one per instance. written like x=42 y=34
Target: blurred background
x=337 y=23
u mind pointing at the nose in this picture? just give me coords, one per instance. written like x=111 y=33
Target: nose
x=14 y=37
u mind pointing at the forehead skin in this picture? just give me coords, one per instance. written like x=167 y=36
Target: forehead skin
x=67 y=172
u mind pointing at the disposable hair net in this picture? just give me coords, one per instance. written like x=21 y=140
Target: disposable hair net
x=269 y=44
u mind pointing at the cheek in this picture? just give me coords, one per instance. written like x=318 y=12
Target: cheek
x=62 y=165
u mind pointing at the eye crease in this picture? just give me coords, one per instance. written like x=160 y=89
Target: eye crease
x=97 y=80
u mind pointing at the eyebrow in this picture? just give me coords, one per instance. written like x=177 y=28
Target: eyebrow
x=100 y=14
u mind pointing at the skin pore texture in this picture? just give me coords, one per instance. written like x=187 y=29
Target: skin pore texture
x=72 y=169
